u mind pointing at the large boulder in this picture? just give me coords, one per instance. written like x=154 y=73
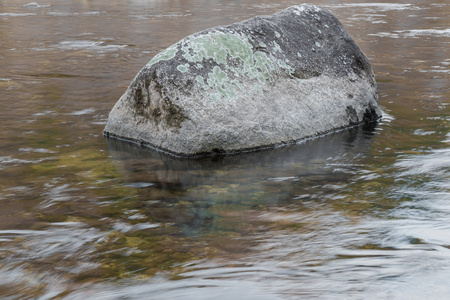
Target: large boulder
x=262 y=82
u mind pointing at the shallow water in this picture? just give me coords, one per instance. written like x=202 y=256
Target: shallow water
x=360 y=214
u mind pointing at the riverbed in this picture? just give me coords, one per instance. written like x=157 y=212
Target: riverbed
x=363 y=213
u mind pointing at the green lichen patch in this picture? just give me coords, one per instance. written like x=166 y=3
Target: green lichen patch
x=201 y=81
x=233 y=66
x=183 y=68
x=166 y=54
x=235 y=62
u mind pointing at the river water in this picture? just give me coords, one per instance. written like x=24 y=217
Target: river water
x=359 y=214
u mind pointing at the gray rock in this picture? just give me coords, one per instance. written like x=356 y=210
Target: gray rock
x=266 y=81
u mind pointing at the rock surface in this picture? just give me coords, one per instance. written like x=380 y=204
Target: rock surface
x=262 y=82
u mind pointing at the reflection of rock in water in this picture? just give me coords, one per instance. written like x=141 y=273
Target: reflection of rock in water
x=192 y=193
x=346 y=142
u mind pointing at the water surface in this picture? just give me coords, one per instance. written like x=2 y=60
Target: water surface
x=360 y=214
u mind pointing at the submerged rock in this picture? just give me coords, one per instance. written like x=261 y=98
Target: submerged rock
x=262 y=82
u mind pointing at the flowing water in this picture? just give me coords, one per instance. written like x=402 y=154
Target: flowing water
x=359 y=214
